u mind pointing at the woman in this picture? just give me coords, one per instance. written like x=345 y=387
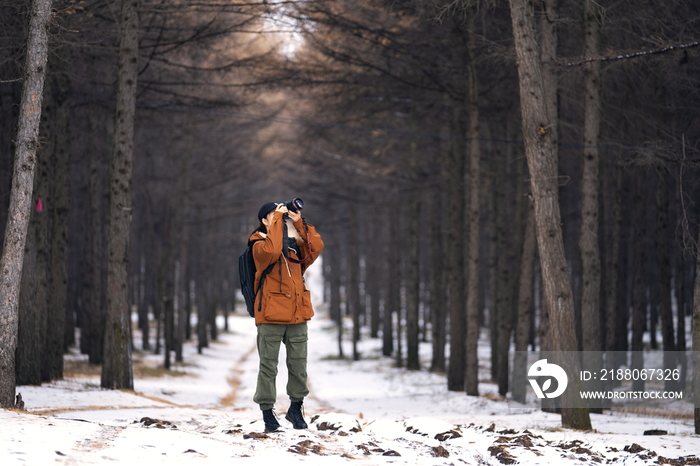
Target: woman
x=282 y=306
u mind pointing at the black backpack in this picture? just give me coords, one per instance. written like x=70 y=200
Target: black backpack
x=246 y=273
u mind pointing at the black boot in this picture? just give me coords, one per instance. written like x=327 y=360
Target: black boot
x=271 y=424
x=295 y=416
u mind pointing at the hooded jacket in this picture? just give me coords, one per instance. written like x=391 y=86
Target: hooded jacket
x=285 y=299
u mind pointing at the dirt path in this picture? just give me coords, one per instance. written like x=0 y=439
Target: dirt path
x=90 y=450
x=234 y=380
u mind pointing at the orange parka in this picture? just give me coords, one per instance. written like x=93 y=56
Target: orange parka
x=285 y=299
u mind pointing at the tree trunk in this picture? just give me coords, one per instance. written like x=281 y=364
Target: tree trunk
x=663 y=253
x=353 y=278
x=491 y=233
x=503 y=315
x=437 y=285
x=189 y=295
x=55 y=326
x=181 y=278
x=158 y=313
x=32 y=319
x=375 y=298
x=412 y=282
x=373 y=271
x=625 y=284
x=393 y=304
x=613 y=266
x=215 y=273
x=202 y=339
x=455 y=255
x=639 y=313
x=550 y=78
x=27 y=143
x=143 y=304
x=168 y=320
x=522 y=329
x=167 y=243
x=213 y=311
x=684 y=279
x=334 y=261
x=92 y=328
x=104 y=223
x=117 y=370
x=77 y=230
x=34 y=287
x=590 y=182
x=681 y=344
x=225 y=304
x=539 y=143
x=473 y=219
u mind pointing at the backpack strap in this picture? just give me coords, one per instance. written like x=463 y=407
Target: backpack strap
x=262 y=277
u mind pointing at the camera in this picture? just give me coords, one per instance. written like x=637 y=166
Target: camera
x=295 y=205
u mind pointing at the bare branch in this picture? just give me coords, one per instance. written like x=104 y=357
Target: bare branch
x=626 y=56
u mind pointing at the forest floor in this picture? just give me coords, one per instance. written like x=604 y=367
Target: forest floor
x=367 y=411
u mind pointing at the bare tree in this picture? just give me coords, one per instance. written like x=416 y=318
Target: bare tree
x=438 y=296
x=412 y=266
x=21 y=193
x=117 y=371
x=181 y=278
x=473 y=217
x=34 y=287
x=58 y=283
x=543 y=178
x=524 y=318
x=663 y=253
x=455 y=256
x=550 y=77
x=393 y=301
x=353 y=279
x=590 y=182
x=639 y=261
x=502 y=316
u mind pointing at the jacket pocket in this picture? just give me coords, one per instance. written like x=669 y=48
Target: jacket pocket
x=307 y=311
x=278 y=307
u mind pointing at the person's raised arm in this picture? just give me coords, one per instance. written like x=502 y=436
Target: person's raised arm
x=268 y=251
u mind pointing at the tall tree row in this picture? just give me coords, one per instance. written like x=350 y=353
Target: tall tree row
x=362 y=60
x=480 y=177
x=70 y=221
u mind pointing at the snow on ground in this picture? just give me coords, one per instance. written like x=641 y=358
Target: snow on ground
x=366 y=411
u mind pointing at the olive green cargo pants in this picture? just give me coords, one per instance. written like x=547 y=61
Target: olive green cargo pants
x=294 y=337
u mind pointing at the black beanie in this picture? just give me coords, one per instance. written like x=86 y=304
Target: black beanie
x=266 y=209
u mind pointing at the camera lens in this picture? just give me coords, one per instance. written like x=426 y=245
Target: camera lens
x=295 y=205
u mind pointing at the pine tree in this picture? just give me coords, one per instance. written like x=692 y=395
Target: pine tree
x=117 y=370
x=21 y=193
